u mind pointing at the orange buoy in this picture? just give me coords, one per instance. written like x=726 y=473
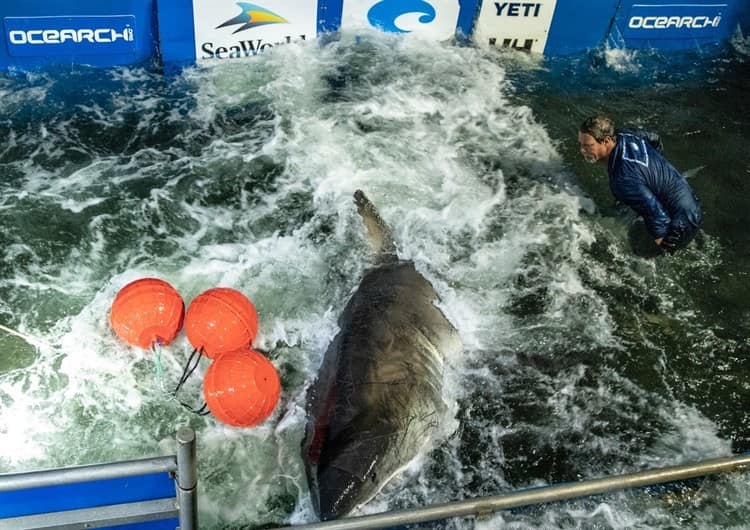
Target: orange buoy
x=221 y=320
x=146 y=311
x=241 y=388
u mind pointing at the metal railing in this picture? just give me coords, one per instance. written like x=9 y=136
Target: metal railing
x=487 y=505
x=181 y=505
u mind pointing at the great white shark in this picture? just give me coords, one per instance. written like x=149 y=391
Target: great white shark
x=378 y=397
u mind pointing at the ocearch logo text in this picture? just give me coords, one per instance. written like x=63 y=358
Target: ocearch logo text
x=699 y=22
x=61 y=36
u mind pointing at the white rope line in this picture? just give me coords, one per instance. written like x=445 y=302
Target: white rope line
x=28 y=338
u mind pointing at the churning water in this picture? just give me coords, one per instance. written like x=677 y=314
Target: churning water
x=580 y=359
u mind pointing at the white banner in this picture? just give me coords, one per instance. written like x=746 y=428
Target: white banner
x=226 y=29
x=521 y=25
x=433 y=19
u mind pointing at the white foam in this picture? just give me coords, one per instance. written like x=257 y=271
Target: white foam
x=468 y=178
x=622 y=60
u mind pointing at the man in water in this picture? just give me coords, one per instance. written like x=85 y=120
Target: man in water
x=642 y=178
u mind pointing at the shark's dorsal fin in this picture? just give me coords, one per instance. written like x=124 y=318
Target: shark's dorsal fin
x=378 y=231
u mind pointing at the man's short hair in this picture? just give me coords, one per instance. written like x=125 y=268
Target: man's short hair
x=600 y=127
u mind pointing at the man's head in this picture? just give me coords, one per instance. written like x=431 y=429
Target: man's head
x=596 y=138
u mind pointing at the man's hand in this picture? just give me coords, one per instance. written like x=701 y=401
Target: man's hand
x=668 y=242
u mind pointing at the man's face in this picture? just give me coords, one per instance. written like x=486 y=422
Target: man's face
x=592 y=150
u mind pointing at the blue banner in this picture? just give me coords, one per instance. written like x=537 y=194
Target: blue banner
x=674 y=21
x=70 y=35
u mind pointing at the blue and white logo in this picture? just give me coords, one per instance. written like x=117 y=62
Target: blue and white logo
x=633 y=152
x=435 y=19
x=384 y=15
x=673 y=21
x=85 y=35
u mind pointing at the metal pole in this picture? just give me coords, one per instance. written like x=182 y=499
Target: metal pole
x=70 y=475
x=187 y=480
x=487 y=505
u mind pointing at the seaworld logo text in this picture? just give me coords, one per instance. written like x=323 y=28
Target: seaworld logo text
x=253 y=16
x=245 y=48
x=699 y=22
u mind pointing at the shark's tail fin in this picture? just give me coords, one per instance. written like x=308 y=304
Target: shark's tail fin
x=377 y=229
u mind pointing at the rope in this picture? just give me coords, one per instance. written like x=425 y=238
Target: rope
x=156 y=350
x=28 y=338
x=187 y=371
x=202 y=411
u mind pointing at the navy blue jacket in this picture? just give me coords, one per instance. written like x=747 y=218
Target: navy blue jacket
x=642 y=178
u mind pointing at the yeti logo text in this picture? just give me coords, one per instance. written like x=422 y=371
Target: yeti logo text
x=60 y=36
x=698 y=22
x=518 y=9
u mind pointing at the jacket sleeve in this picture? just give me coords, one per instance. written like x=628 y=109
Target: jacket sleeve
x=636 y=194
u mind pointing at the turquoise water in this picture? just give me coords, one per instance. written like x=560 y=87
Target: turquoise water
x=581 y=360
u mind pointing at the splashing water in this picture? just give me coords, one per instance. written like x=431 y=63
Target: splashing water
x=580 y=359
